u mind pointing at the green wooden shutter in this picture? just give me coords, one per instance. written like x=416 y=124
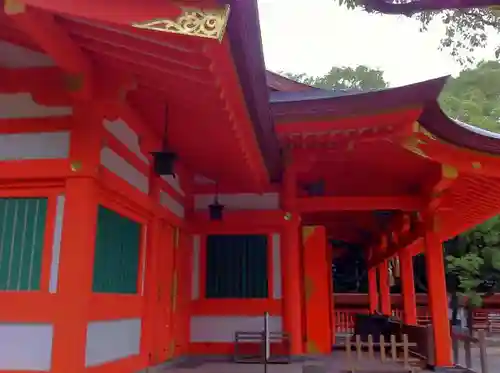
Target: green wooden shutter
x=117 y=249
x=22 y=229
x=236 y=266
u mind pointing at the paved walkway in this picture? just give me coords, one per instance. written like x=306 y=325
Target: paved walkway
x=493 y=359
x=336 y=363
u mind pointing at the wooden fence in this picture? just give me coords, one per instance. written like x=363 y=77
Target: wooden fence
x=470 y=345
x=344 y=318
x=362 y=356
x=483 y=319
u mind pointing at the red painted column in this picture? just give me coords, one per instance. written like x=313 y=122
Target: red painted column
x=408 y=287
x=331 y=292
x=76 y=262
x=290 y=265
x=316 y=288
x=373 y=289
x=385 y=291
x=437 y=295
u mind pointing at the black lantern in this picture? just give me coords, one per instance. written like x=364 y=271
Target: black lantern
x=215 y=209
x=163 y=163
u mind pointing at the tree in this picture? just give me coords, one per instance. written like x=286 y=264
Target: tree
x=473 y=97
x=473 y=266
x=466 y=30
x=359 y=78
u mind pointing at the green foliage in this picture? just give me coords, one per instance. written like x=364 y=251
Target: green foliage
x=466 y=30
x=473 y=96
x=361 y=77
x=474 y=262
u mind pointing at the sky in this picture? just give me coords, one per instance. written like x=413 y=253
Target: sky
x=312 y=36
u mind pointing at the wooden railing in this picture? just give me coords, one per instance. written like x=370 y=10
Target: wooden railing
x=463 y=337
x=487 y=319
x=344 y=318
x=391 y=351
x=484 y=319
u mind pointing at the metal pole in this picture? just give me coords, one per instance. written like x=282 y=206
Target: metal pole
x=267 y=346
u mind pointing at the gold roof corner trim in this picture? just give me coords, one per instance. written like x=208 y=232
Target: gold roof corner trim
x=203 y=23
x=12 y=7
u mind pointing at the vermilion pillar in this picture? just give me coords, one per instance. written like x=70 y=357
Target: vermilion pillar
x=317 y=272
x=408 y=287
x=290 y=264
x=74 y=288
x=373 y=289
x=385 y=290
x=437 y=295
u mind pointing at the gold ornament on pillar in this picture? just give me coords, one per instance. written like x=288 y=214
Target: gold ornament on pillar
x=12 y=7
x=306 y=232
x=76 y=166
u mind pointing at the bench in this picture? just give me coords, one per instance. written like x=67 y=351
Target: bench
x=258 y=339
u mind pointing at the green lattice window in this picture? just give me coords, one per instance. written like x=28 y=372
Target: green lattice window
x=22 y=229
x=117 y=248
x=236 y=266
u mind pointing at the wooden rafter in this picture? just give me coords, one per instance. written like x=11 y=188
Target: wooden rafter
x=41 y=27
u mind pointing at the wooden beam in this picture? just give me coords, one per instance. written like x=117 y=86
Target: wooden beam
x=231 y=93
x=42 y=28
x=441 y=188
x=123 y=12
x=348 y=203
x=155 y=15
x=403 y=243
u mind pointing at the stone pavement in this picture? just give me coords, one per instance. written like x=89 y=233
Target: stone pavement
x=336 y=363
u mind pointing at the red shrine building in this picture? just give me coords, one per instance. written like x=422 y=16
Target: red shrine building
x=160 y=191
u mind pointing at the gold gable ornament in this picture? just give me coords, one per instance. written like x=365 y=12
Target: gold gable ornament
x=203 y=23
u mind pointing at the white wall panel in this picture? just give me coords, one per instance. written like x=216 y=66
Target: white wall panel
x=22 y=105
x=125 y=170
x=26 y=347
x=40 y=145
x=222 y=328
x=112 y=340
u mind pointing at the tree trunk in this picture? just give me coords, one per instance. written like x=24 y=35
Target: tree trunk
x=470 y=319
x=454 y=309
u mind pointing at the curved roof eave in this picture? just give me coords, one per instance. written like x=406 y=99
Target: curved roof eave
x=248 y=57
x=434 y=120
x=411 y=7
x=280 y=83
x=300 y=105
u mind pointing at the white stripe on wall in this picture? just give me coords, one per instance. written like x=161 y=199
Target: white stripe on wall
x=26 y=347
x=173 y=181
x=171 y=204
x=40 y=145
x=195 y=274
x=222 y=328
x=22 y=105
x=123 y=169
x=239 y=201
x=56 y=244
x=126 y=135
x=15 y=56
x=276 y=247
x=112 y=340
